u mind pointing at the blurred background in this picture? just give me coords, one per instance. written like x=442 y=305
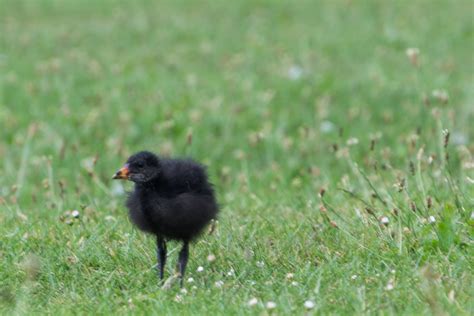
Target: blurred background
x=278 y=98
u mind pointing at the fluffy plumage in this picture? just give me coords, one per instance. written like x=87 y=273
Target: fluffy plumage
x=172 y=199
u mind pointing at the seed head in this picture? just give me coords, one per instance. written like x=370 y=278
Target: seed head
x=429 y=202
x=426 y=100
x=189 y=137
x=368 y=210
x=446 y=138
x=322 y=191
x=412 y=168
x=401 y=185
x=395 y=212
x=413 y=206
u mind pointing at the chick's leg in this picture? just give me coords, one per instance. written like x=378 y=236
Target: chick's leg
x=183 y=260
x=161 y=254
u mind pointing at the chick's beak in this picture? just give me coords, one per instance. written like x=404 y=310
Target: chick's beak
x=122 y=173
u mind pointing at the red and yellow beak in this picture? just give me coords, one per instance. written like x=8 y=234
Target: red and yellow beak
x=123 y=173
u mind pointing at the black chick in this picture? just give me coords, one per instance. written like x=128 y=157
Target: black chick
x=172 y=200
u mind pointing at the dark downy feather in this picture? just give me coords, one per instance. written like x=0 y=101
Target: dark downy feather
x=177 y=204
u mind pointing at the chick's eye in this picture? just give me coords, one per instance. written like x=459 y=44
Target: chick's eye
x=139 y=165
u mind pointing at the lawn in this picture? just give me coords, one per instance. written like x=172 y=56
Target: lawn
x=338 y=134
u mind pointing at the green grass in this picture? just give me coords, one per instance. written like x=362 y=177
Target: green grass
x=269 y=94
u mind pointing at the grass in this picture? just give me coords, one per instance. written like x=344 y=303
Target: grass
x=316 y=128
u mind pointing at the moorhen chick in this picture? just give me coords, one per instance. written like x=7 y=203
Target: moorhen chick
x=172 y=199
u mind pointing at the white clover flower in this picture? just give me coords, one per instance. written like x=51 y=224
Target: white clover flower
x=440 y=95
x=412 y=51
x=260 y=264
x=190 y=280
x=295 y=72
x=309 y=304
x=75 y=214
x=412 y=54
x=211 y=257
x=252 y=302
x=219 y=283
x=353 y=277
x=352 y=141
x=384 y=220
x=200 y=269
x=431 y=219
x=110 y=218
x=326 y=127
x=271 y=305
